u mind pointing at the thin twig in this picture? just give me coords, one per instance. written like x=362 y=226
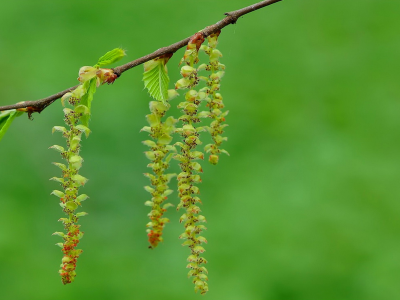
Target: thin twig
x=231 y=18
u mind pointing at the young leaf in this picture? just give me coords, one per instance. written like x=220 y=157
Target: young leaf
x=155 y=77
x=111 y=57
x=87 y=99
x=6 y=119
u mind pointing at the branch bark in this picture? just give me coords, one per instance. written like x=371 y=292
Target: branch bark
x=231 y=18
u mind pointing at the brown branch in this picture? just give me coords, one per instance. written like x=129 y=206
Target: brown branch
x=231 y=18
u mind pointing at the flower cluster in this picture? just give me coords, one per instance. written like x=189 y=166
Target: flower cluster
x=160 y=154
x=70 y=181
x=189 y=177
x=214 y=99
x=77 y=119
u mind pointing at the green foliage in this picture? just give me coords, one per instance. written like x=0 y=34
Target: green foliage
x=155 y=77
x=110 y=57
x=6 y=118
x=87 y=98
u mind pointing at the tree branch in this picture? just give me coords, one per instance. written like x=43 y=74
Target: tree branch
x=231 y=18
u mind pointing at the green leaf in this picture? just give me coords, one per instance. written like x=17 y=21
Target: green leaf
x=111 y=57
x=87 y=99
x=156 y=78
x=6 y=119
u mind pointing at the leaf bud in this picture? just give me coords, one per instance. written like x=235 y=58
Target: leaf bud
x=111 y=57
x=106 y=76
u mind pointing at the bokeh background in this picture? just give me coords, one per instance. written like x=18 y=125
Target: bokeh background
x=307 y=207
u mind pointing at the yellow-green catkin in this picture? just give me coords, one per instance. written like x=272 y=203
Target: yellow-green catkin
x=71 y=180
x=77 y=120
x=160 y=154
x=214 y=100
x=190 y=168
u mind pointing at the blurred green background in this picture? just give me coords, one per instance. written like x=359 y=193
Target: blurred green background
x=305 y=208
